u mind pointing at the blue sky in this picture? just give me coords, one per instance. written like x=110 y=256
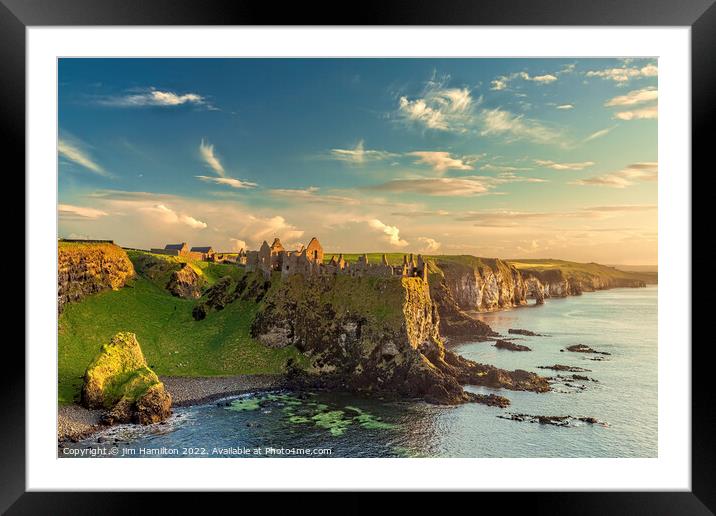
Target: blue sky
x=512 y=158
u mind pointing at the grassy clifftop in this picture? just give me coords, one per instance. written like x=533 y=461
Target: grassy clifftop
x=172 y=341
x=582 y=271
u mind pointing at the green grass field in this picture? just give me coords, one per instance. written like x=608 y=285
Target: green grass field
x=172 y=341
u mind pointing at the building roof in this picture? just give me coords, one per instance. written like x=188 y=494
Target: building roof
x=175 y=247
x=201 y=249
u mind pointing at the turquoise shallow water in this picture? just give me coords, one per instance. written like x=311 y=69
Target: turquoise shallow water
x=622 y=322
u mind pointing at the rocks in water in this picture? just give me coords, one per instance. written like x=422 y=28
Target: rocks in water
x=528 y=333
x=185 y=283
x=563 y=421
x=491 y=400
x=506 y=344
x=560 y=367
x=583 y=348
x=119 y=380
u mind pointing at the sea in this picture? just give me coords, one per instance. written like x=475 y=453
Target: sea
x=608 y=410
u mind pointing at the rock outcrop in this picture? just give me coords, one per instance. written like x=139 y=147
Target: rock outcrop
x=378 y=335
x=186 y=283
x=87 y=268
x=119 y=381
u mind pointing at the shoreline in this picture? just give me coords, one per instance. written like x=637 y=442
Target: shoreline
x=75 y=422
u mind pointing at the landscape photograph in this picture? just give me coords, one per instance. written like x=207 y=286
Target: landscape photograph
x=357 y=258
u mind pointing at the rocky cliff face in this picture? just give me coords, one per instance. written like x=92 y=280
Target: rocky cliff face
x=376 y=335
x=85 y=269
x=484 y=285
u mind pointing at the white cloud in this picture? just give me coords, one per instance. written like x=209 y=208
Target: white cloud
x=440 y=108
x=237 y=244
x=503 y=81
x=392 y=233
x=207 y=153
x=267 y=228
x=625 y=73
x=637 y=114
x=72 y=151
x=169 y=216
x=440 y=161
x=359 y=154
x=564 y=166
x=565 y=106
x=634 y=97
x=155 y=97
x=643 y=171
x=498 y=121
x=430 y=245
x=229 y=181
x=70 y=212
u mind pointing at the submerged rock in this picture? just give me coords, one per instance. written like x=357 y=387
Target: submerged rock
x=583 y=348
x=528 y=333
x=561 y=367
x=120 y=381
x=552 y=420
x=506 y=344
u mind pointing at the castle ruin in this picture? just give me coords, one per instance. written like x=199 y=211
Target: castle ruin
x=309 y=261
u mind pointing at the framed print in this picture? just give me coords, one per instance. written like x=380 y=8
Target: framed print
x=452 y=255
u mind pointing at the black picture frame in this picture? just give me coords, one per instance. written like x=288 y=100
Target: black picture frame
x=700 y=15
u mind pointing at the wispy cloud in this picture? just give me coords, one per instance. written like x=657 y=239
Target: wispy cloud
x=392 y=233
x=439 y=186
x=599 y=134
x=500 y=122
x=313 y=194
x=71 y=212
x=206 y=150
x=439 y=108
x=423 y=213
x=155 y=97
x=229 y=181
x=503 y=81
x=625 y=73
x=636 y=172
x=564 y=166
x=441 y=161
x=73 y=150
x=565 y=106
x=517 y=218
x=360 y=155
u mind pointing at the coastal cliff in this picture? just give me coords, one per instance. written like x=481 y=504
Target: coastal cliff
x=88 y=268
x=485 y=285
x=378 y=335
